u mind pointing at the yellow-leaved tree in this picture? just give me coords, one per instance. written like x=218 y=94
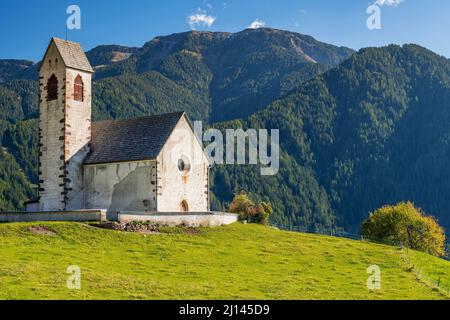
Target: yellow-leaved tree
x=405 y=224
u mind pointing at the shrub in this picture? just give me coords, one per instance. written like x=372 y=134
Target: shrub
x=263 y=212
x=243 y=205
x=408 y=225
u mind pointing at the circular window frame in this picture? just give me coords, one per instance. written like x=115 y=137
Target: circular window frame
x=187 y=162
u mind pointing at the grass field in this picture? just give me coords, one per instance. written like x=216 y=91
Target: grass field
x=232 y=262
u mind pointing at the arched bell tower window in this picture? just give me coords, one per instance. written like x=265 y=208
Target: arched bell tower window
x=52 y=88
x=78 y=91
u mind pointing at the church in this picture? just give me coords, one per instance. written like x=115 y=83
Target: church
x=148 y=164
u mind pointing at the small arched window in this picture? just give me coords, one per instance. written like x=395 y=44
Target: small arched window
x=78 y=90
x=52 y=88
x=184 y=206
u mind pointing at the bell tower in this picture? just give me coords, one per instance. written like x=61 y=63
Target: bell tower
x=65 y=86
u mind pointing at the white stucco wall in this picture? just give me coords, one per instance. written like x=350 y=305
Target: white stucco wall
x=121 y=186
x=173 y=188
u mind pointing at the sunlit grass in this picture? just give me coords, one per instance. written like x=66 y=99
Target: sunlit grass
x=232 y=262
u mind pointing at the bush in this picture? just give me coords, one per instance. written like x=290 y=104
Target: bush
x=407 y=225
x=243 y=205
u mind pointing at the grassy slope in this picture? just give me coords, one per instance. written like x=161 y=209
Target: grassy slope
x=233 y=262
x=431 y=270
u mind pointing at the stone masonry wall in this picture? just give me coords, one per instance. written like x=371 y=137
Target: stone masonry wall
x=51 y=135
x=77 y=138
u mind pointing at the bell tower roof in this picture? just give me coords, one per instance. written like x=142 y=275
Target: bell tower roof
x=72 y=54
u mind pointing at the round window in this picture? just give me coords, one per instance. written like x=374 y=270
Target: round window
x=184 y=165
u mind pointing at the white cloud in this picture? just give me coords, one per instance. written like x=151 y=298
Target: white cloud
x=257 y=24
x=200 y=19
x=392 y=3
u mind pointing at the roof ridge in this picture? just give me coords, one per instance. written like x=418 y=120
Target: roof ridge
x=69 y=41
x=142 y=117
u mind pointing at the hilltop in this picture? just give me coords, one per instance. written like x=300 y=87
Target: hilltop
x=232 y=262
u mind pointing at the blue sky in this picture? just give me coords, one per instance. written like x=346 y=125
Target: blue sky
x=27 y=25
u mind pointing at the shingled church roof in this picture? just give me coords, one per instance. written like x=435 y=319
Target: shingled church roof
x=72 y=55
x=132 y=139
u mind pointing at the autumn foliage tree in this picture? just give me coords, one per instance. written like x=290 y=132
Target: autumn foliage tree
x=243 y=205
x=408 y=225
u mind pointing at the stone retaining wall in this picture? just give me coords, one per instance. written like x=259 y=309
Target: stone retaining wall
x=192 y=219
x=84 y=215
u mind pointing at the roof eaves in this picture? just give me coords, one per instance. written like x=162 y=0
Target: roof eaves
x=94 y=163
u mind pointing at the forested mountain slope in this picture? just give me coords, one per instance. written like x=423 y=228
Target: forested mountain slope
x=373 y=131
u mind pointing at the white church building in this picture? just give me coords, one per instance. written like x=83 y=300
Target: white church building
x=149 y=164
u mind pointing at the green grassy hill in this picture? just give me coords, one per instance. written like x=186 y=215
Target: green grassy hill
x=232 y=262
